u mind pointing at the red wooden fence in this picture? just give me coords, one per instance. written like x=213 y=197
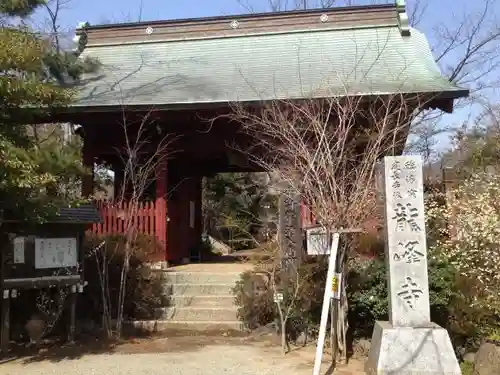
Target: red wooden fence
x=114 y=218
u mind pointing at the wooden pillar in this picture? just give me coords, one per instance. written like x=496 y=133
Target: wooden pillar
x=72 y=313
x=118 y=170
x=88 y=162
x=194 y=222
x=161 y=205
x=5 y=321
x=185 y=244
x=198 y=207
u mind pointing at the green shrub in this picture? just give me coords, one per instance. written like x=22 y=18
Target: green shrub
x=367 y=296
x=366 y=292
x=254 y=299
x=467 y=368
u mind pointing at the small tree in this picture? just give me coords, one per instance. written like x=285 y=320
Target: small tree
x=327 y=152
x=144 y=150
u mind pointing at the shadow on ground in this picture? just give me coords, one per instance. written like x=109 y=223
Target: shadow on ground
x=136 y=342
x=55 y=350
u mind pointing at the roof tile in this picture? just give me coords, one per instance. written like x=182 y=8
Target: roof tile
x=291 y=65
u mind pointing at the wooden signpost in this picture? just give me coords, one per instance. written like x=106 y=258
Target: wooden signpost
x=318 y=244
x=327 y=296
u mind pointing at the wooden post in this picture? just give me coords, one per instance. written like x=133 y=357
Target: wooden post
x=118 y=187
x=161 y=205
x=72 y=313
x=5 y=317
x=88 y=162
x=327 y=296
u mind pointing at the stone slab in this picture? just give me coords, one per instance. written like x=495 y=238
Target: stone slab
x=153 y=326
x=198 y=289
x=197 y=314
x=411 y=351
x=174 y=277
x=406 y=248
x=201 y=301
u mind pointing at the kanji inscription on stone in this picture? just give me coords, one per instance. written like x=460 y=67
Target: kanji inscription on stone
x=410 y=292
x=406 y=248
x=410 y=253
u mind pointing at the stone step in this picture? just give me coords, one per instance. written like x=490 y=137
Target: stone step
x=199 y=314
x=174 y=277
x=198 y=289
x=201 y=301
x=164 y=325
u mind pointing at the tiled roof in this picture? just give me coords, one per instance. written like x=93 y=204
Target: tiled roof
x=293 y=64
x=84 y=214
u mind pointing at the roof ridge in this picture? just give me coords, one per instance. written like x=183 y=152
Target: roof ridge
x=238 y=25
x=247 y=35
x=275 y=14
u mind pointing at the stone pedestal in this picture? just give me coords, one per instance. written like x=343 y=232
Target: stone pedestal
x=411 y=351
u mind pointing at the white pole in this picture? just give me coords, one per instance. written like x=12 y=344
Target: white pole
x=326 y=304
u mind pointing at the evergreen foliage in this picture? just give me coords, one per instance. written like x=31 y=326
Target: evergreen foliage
x=34 y=162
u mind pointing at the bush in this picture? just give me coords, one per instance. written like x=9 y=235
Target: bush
x=144 y=286
x=254 y=299
x=366 y=292
x=367 y=296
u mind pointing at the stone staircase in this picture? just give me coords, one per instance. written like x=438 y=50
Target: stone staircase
x=197 y=301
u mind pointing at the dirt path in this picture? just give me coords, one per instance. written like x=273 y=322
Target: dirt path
x=187 y=355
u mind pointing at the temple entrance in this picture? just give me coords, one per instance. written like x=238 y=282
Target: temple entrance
x=195 y=156
x=240 y=212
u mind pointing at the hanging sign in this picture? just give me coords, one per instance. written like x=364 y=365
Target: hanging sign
x=317 y=241
x=18 y=245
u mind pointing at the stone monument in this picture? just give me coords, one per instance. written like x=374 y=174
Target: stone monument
x=409 y=343
x=289 y=231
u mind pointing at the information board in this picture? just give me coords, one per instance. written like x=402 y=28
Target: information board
x=55 y=253
x=18 y=245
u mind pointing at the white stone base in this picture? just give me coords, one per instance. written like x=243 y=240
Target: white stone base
x=411 y=351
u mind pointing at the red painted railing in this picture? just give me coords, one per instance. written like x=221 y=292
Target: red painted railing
x=306 y=216
x=114 y=218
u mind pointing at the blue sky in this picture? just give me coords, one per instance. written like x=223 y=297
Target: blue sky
x=104 y=11
x=439 y=13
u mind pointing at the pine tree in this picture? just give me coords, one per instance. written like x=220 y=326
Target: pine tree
x=30 y=170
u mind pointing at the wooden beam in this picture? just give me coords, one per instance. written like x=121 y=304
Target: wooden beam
x=5 y=320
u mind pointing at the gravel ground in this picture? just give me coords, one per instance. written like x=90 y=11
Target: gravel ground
x=177 y=353
x=216 y=360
